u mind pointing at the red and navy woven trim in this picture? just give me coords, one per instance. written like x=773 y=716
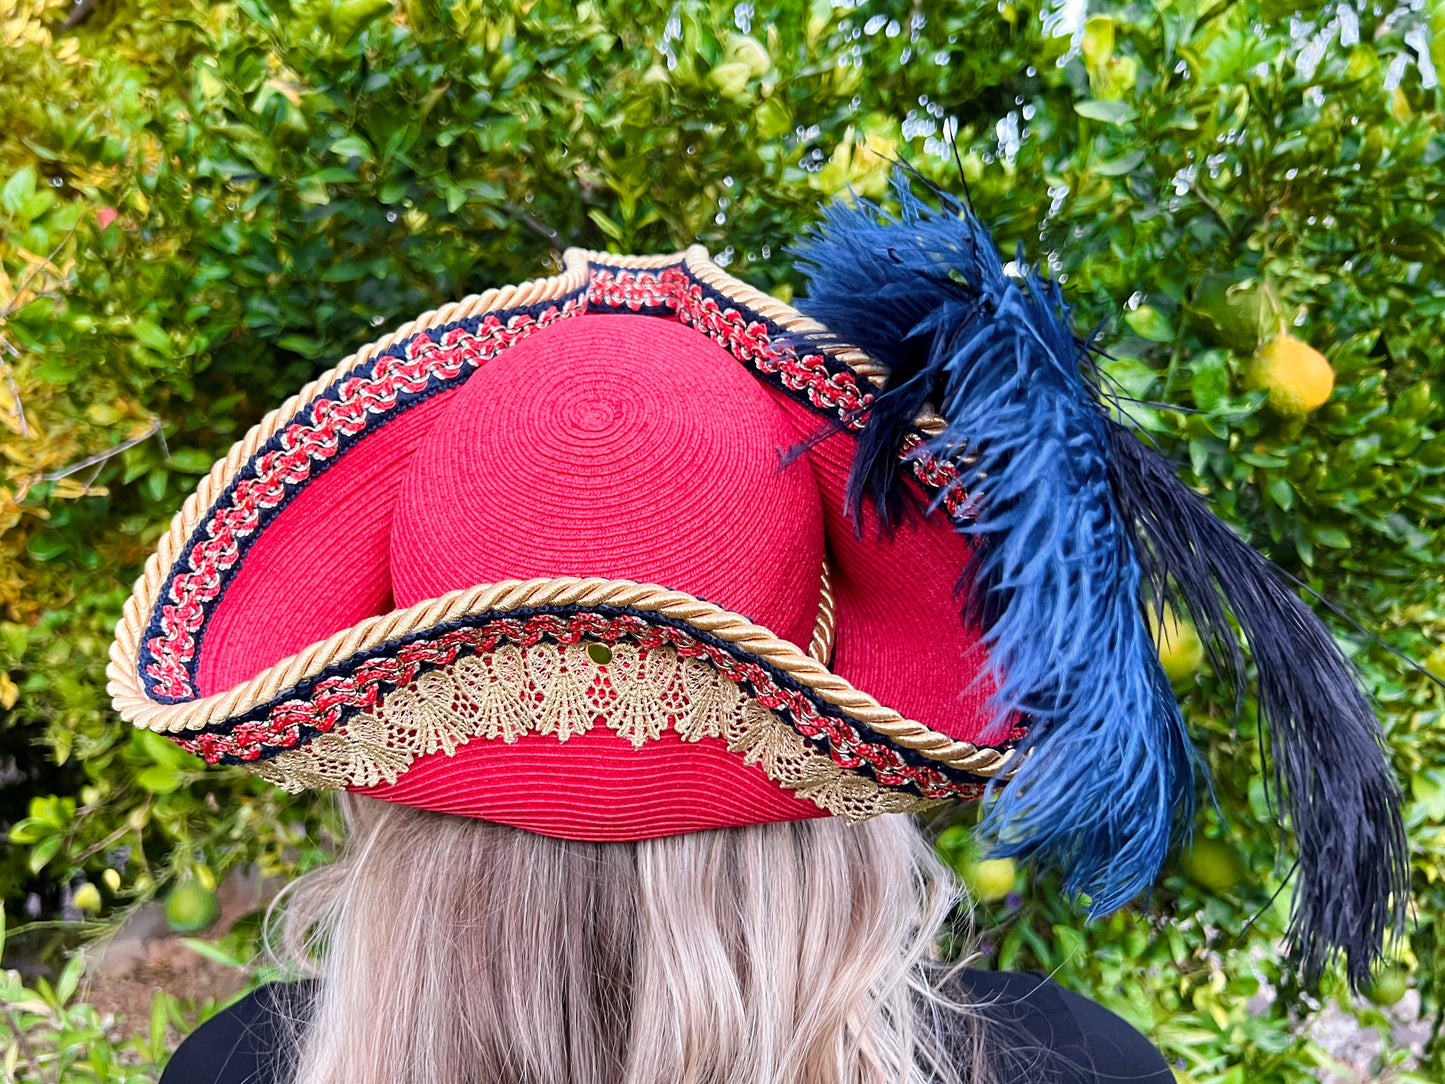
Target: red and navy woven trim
x=358 y=403
x=382 y=388
x=816 y=379
x=321 y=704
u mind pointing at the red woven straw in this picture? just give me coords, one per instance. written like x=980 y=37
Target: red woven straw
x=628 y=447
x=619 y=446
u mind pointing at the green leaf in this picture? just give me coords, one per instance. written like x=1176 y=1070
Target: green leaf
x=37 y=205
x=1149 y=323
x=1009 y=950
x=52 y=809
x=352 y=146
x=18 y=189
x=58 y=370
x=214 y=953
x=1098 y=45
x=605 y=224
x=1209 y=381
x=1306 y=550
x=154 y=485
x=1282 y=492
x=148 y=333
x=159 y=1043
x=1263 y=459
x=29 y=830
x=1133 y=375
x=251 y=145
x=304 y=345
x=329 y=175
x=1332 y=537
x=347 y=271
x=46 y=547
x=1428 y=789
x=350 y=17
x=61 y=744
x=164 y=752
x=43 y=852
x=160 y=778
x=1108 y=112
x=70 y=977
x=1121 y=167
x=190 y=461
x=1070 y=941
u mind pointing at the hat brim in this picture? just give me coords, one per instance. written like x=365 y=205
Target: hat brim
x=841 y=736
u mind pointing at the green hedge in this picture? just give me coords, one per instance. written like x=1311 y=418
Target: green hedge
x=203 y=204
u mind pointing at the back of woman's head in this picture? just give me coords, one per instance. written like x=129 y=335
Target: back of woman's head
x=454 y=950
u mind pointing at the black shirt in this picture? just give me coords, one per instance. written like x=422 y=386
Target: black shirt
x=1037 y=1032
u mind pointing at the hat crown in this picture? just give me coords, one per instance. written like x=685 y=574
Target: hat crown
x=619 y=447
x=340 y=605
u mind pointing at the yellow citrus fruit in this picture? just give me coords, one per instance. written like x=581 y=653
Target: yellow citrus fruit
x=1297 y=377
x=990 y=880
x=1213 y=865
x=190 y=907
x=1181 y=652
x=87 y=898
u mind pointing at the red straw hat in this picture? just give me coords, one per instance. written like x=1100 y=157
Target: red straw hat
x=552 y=557
x=639 y=550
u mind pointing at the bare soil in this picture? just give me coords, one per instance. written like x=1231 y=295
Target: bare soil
x=145 y=957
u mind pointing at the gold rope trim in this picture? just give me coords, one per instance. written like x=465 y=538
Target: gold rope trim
x=571 y=591
x=583 y=593
x=825 y=628
x=563 y=691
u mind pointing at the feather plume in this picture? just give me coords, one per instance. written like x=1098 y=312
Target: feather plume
x=1330 y=768
x=1075 y=527
x=1052 y=581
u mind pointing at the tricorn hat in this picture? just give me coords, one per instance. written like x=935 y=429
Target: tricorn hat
x=637 y=550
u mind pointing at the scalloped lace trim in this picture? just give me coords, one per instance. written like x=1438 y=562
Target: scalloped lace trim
x=558 y=689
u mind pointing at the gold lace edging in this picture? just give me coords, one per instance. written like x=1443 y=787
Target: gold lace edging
x=564 y=690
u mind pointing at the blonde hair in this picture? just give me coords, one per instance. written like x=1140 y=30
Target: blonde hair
x=451 y=950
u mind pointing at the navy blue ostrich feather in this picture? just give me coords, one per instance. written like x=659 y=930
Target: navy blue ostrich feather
x=1341 y=797
x=1071 y=520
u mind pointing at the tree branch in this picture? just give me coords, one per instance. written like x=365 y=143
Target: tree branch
x=101 y=457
